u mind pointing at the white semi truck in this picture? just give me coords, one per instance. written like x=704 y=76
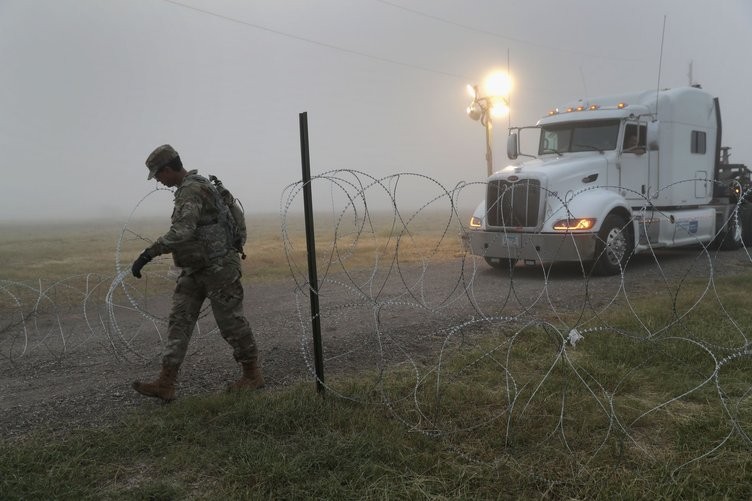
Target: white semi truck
x=615 y=176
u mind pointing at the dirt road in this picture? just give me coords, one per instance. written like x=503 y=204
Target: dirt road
x=370 y=318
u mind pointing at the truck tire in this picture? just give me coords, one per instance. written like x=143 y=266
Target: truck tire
x=729 y=240
x=614 y=246
x=745 y=216
x=501 y=263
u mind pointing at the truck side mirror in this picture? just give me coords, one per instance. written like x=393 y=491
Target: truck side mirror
x=512 y=146
x=652 y=139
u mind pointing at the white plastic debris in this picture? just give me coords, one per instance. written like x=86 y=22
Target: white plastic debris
x=574 y=336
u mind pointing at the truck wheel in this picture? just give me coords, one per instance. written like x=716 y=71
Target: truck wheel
x=732 y=238
x=501 y=263
x=614 y=246
x=745 y=216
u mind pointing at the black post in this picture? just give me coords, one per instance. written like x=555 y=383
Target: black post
x=311 y=245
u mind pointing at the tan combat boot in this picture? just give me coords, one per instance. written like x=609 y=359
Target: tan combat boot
x=251 y=378
x=163 y=387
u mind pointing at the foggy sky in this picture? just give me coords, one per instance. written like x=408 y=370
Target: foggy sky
x=90 y=87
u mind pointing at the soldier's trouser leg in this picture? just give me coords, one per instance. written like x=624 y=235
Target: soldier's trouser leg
x=227 y=305
x=186 y=305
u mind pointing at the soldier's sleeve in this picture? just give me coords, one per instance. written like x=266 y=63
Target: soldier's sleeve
x=184 y=221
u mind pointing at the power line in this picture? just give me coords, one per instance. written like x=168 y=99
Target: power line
x=498 y=35
x=316 y=42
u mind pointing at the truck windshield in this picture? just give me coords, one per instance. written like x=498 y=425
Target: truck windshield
x=560 y=138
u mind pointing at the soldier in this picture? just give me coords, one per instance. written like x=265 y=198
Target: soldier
x=200 y=242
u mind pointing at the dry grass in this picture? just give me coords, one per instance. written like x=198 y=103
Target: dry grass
x=54 y=251
x=34 y=251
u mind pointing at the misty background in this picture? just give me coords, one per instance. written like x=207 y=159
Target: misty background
x=90 y=87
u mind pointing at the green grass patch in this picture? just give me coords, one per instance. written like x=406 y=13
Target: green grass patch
x=292 y=444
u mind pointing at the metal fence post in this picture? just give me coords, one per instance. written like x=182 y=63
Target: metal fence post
x=311 y=246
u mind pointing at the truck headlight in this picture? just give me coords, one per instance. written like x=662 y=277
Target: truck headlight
x=475 y=222
x=584 y=223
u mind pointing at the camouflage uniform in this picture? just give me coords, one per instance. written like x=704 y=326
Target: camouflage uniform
x=196 y=208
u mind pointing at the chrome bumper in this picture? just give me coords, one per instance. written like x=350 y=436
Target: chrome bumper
x=538 y=247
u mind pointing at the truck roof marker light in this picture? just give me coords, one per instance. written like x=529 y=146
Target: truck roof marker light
x=593 y=107
x=621 y=105
x=552 y=112
x=575 y=224
x=570 y=109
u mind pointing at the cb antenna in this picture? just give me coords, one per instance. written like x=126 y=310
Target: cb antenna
x=660 y=64
x=584 y=85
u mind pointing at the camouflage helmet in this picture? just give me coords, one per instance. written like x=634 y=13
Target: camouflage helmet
x=160 y=157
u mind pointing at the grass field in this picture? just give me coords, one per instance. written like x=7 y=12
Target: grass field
x=659 y=408
x=54 y=251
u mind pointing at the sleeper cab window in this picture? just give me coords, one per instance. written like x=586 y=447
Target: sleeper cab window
x=698 y=142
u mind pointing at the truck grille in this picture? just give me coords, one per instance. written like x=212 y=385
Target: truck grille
x=513 y=204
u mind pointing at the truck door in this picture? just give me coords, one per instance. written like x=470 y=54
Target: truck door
x=634 y=163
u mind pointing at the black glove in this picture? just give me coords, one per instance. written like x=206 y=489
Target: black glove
x=140 y=263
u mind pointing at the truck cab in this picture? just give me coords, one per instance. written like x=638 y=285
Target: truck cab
x=612 y=176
